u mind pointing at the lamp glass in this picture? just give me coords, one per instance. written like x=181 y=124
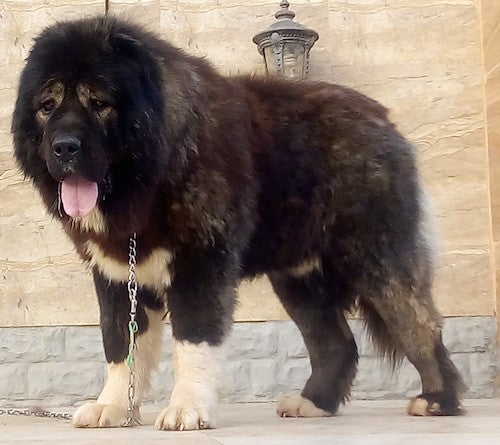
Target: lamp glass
x=294 y=59
x=271 y=60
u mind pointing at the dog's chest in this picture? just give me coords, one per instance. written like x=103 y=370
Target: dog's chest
x=152 y=271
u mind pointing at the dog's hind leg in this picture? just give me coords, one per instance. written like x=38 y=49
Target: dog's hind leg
x=403 y=321
x=329 y=340
x=110 y=410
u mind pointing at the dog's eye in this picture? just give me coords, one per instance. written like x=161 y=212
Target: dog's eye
x=98 y=105
x=47 y=107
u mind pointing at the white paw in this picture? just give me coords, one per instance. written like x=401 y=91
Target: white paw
x=182 y=418
x=298 y=406
x=421 y=407
x=93 y=415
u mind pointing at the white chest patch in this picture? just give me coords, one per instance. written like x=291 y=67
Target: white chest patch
x=152 y=272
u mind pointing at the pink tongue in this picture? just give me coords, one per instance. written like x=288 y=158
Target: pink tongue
x=79 y=196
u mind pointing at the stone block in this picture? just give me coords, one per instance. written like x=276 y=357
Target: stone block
x=84 y=344
x=13 y=381
x=262 y=373
x=478 y=371
x=253 y=341
x=31 y=344
x=291 y=342
x=469 y=334
x=293 y=374
x=236 y=378
x=82 y=380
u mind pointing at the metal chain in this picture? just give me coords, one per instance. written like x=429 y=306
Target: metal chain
x=132 y=327
x=37 y=412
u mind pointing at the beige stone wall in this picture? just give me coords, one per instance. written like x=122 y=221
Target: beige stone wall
x=491 y=42
x=421 y=58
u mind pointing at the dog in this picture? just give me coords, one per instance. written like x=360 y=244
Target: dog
x=222 y=179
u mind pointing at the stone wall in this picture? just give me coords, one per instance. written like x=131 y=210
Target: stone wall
x=64 y=365
x=421 y=58
x=491 y=42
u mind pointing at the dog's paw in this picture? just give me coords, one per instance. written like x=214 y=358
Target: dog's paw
x=298 y=406
x=435 y=404
x=93 y=415
x=421 y=407
x=183 y=418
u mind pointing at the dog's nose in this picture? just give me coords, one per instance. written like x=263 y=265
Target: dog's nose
x=65 y=147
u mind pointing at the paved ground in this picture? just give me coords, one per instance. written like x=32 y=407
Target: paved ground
x=374 y=423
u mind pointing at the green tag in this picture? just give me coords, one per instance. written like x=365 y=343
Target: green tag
x=130 y=360
x=133 y=326
x=130 y=356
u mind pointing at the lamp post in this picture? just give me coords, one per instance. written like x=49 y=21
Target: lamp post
x=285 y=45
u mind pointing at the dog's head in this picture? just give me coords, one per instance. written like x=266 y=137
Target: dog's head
x=89 y=113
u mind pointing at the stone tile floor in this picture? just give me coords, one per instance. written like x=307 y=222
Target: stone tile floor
x=361 y=422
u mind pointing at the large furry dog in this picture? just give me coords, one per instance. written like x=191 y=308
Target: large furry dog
x=226 y=178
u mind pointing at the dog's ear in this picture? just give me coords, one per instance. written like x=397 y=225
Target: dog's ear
x=124 y=43
x=125 y=38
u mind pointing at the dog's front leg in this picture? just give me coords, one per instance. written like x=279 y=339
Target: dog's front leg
x=110 y=410
x=201 y=302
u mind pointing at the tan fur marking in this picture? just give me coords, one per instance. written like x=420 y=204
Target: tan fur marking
x=107 y=112
x=152 y=272
x=83 y=93
x=298 y=406
x=423 y=317
x=53 y=92
x=417 y=336
x=86 y=94
x=93 y=222
x=306 y=267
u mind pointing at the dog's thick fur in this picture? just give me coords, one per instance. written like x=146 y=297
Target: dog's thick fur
x=226 y=178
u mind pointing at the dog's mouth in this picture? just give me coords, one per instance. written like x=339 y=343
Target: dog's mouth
x=78 y=195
